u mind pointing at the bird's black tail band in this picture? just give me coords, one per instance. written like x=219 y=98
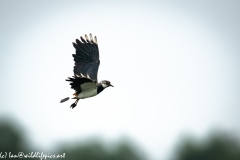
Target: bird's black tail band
x=64 y=100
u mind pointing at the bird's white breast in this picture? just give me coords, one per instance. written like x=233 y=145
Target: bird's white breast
x=88 y=93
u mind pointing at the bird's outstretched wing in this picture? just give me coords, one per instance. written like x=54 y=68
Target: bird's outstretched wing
x=86 y=57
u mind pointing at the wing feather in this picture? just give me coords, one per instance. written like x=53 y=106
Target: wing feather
x=86 y=57
x=78 y=81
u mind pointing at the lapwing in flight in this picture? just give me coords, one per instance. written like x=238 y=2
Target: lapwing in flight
x=84 y=81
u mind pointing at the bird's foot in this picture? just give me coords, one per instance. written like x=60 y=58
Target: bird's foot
x=73 y=105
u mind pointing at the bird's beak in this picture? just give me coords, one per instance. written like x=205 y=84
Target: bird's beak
x=111 y=85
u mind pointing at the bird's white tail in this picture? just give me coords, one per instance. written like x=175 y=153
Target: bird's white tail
x=64 y=100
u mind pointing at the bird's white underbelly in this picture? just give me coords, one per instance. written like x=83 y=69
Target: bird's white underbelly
x=87 y=94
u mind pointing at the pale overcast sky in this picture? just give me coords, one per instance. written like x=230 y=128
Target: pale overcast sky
x=174 y=65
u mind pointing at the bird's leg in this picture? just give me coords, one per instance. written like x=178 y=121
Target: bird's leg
x=74 y=104
x=77 y=101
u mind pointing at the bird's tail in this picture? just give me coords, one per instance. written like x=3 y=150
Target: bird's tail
x=64 y=100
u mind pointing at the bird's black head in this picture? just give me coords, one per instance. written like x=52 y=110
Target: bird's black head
x=106 y=84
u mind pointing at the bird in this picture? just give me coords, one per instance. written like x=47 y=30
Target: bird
x=84 y=81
